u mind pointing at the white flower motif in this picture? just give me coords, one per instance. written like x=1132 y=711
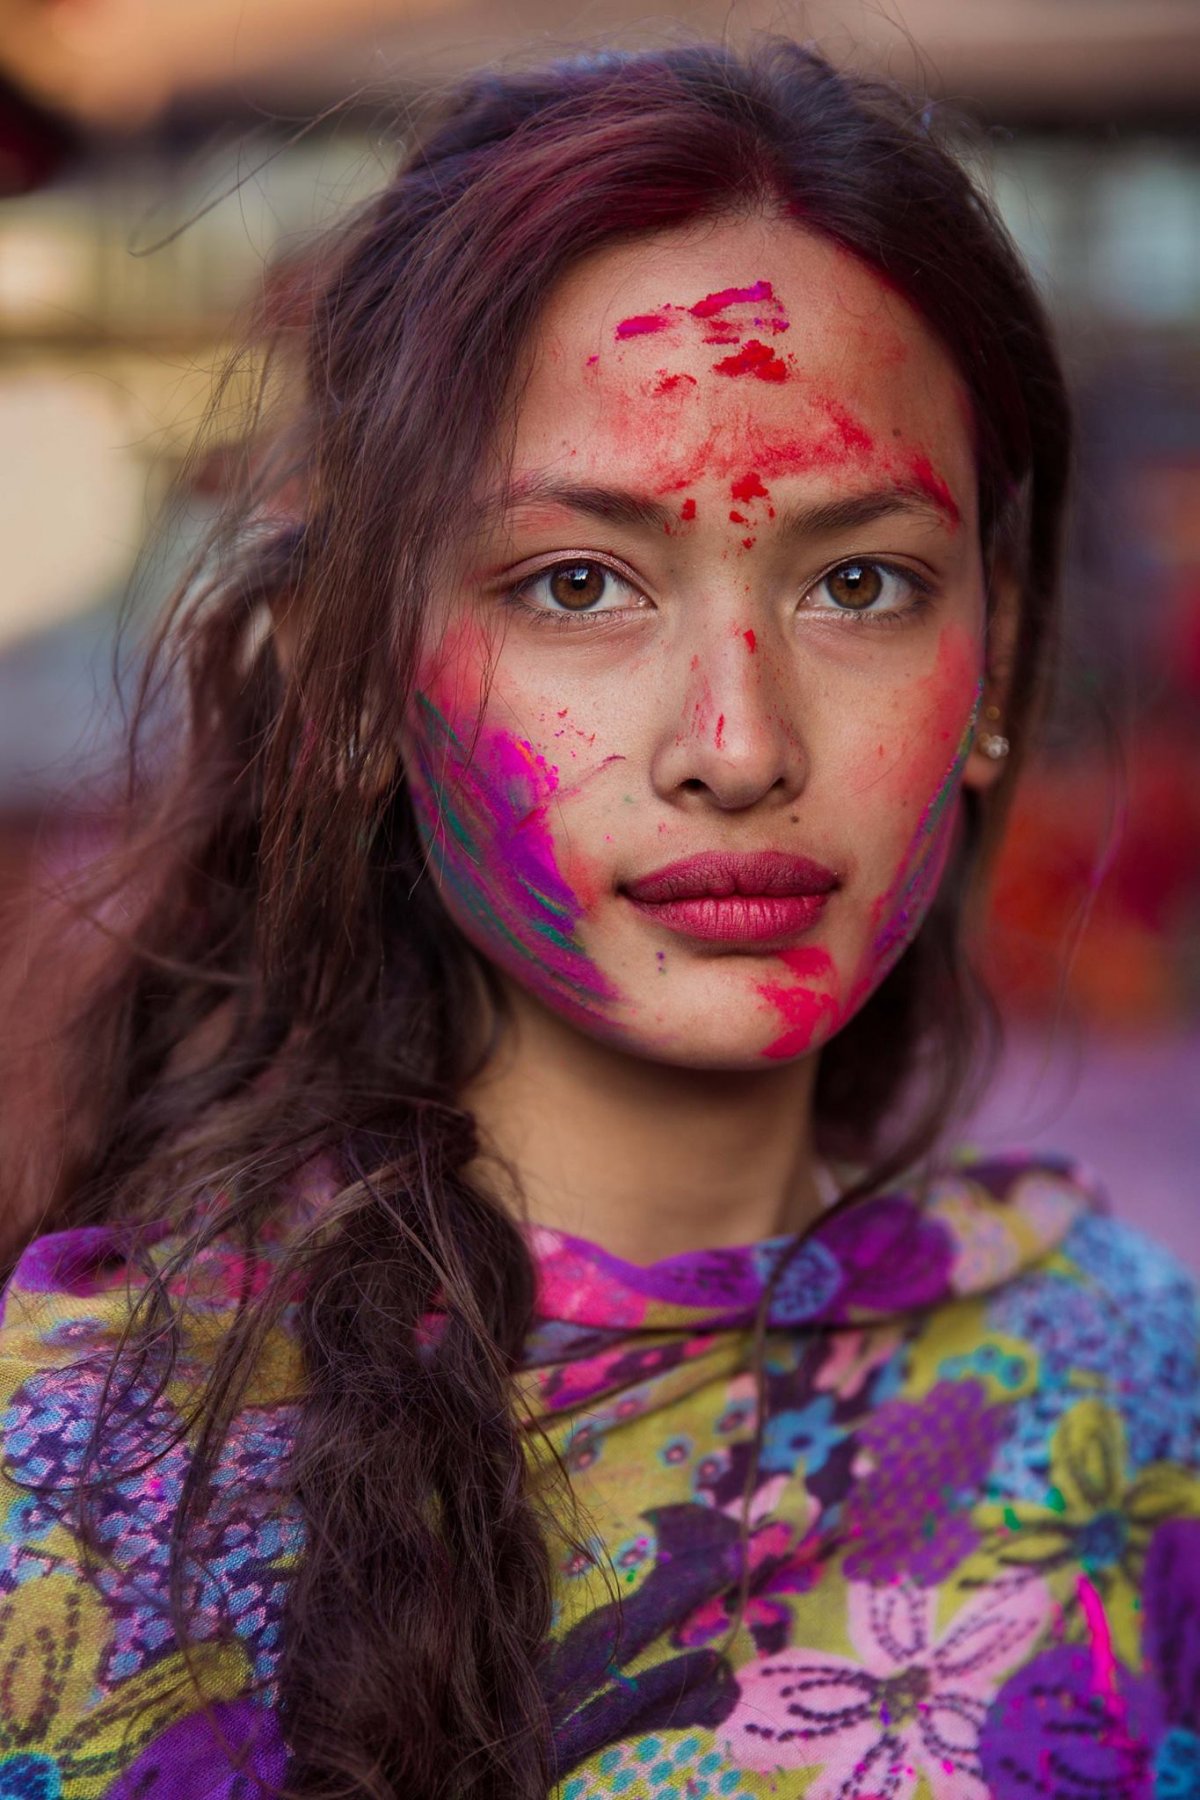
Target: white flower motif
x=910 y=1704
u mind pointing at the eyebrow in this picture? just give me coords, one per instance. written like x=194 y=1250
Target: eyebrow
x=821 y=518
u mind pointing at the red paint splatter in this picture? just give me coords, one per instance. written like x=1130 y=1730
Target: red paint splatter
x=737 y=518
x=720 y=732
x=688 y=510
x=931 y=483
x=716 y=303
x=748 y=487
x=755 y=359
x=751 y=640
x=672 y=384
x=747 y=543
x=641 y=325
x=801 y=1010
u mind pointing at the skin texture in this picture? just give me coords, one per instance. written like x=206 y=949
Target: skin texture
x=742 y=383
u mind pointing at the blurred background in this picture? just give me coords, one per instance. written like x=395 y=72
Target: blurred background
x=157 y=156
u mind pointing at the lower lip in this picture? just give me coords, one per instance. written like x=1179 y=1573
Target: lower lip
x=736 y=918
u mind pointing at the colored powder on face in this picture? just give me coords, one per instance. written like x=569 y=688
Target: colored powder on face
x=748 y=487
x=802 y=1010
x=720 y=732
x=727 y=334
x=853 y=437
x=673 y=384
x=931 y=483
x=755 y=359
x=737 y=518
x=481 y=800
x=751 y=640
x=688 y=510
x=747 y=543
x=712 y=304
x=905 y=905
x=641 y=325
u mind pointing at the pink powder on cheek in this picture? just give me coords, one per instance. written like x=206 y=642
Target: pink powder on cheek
x=899 y=912
x=802 y=1009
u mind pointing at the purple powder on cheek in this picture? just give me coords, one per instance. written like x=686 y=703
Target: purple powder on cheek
x=481 y=802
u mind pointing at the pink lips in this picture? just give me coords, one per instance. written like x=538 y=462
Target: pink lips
x=736 y=898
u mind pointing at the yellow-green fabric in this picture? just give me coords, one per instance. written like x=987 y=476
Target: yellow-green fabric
x=974 y=1544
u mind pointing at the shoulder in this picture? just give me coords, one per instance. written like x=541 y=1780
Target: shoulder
x=96 y=1600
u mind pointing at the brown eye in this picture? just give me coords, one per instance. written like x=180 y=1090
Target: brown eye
x=577 y=585
x=855 y=586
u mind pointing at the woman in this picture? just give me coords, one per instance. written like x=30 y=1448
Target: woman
x=500 y=1324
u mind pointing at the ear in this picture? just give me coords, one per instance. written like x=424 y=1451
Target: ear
x=987 y=760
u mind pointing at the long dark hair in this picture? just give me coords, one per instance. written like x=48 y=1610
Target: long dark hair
x=269 y=978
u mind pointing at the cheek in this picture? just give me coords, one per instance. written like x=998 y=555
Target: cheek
x=483 y=798
x=924 y=786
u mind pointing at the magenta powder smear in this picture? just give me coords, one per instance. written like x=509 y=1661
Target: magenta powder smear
x=482 y=801
x=905 y=904
x=801 y=1008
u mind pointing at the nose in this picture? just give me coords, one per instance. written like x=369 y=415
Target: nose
x=731 y=735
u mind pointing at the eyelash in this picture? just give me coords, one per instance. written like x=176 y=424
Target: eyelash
x=921 y=592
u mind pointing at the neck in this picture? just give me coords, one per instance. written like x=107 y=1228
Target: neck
x=647 y=1159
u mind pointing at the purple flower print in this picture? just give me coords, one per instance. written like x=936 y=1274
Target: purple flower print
x=908 y=1704
x=233 y=1752
x=1171 y=1608
x=1064 y=1729
x=923 y=1465
x=892 y=1255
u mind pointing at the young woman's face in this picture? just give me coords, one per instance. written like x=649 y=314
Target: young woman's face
x=690 y=730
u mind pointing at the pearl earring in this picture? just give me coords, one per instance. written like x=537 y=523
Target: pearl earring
x=992 y=743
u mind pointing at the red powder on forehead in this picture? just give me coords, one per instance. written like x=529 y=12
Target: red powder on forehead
x=688 y=510
x=753 y=358
x=751 y=640
x=641 y=324
x=931 y=483
x=716 y=303
x=672 y=384
x=748 y=487
x=850 y=434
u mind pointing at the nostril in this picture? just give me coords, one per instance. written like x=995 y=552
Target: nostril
x=693 y=785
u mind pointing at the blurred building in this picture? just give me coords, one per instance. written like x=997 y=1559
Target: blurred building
x=155 y=160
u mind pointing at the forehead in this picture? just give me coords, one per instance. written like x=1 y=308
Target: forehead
x=680 y=355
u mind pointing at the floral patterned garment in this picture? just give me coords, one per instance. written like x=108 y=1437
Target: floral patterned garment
x=974 y=1545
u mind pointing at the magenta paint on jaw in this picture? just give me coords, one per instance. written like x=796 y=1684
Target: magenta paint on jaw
x=803 y=1009
x=481 y=799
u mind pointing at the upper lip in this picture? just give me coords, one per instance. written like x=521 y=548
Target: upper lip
x=719 y=874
